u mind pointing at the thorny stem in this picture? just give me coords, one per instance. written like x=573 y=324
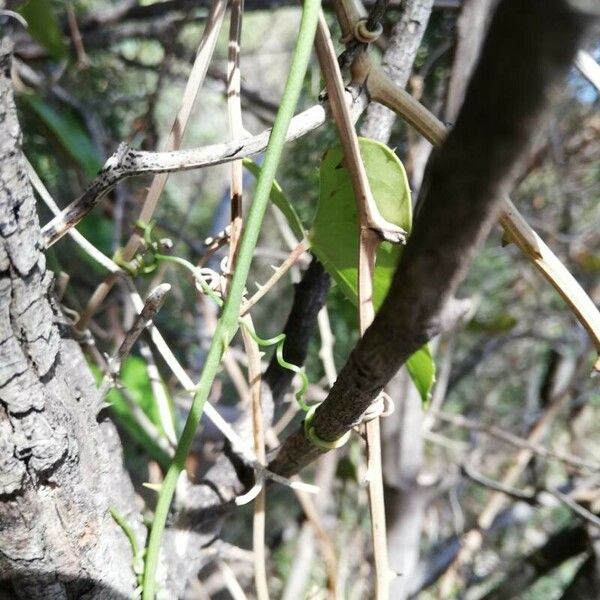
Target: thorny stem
x=228 y=323
x=370 y=229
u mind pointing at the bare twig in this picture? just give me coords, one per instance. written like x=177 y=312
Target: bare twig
x=327 y=343
x=258 y=525
x=127 y=162
x=534 y=497
x=589 y=68
x=152 y=305
x=280 y=271
x=82 y=58
x=231 y=583
x=194 y=83
x=77 y=237
x=474 y=538
x=514 y=440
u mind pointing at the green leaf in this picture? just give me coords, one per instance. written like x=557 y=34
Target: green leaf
x=496 y=325
x=43 y=26
x=134 y=376
x=280 y=200
x=69 y=132
x=334 y=234
x=421 y=368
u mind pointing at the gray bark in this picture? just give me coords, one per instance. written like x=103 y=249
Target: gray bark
x=60 y=471
x=398 y=62
x=405 y=499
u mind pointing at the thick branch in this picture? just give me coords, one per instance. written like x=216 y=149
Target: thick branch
x=475 y=168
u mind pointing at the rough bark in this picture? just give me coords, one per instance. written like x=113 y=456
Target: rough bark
x=398 y=60
x=474 y=170
x=60 y=471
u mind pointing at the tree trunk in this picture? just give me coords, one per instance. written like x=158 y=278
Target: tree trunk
x=60 y=470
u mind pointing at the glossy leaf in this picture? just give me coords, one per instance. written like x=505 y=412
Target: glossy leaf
x=334 y=234
x=421 y=368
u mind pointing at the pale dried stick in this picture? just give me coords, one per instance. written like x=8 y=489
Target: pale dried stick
x=231 y=583
x=82 y=58
x=77 y=237
x=280 y=271
x=127 y=162
x=371 y=229
x=589 y=68
x=194 y=83
x=258 y=524
x=236 y=126
x=473 y=539
x=312 y=515
x=514 y=440
x=150 y=307
x=196 y=79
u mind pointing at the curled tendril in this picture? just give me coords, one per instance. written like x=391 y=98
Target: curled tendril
x=279 y=341
x=207 y=282
x=146 y=261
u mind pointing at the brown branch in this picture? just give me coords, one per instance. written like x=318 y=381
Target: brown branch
x=473 y=171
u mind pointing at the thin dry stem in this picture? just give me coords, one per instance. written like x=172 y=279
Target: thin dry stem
x=194 y=83
x=285 y=266
x=327 y=343
x=371 y=226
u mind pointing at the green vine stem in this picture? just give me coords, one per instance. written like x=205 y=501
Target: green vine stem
x=277 y=340
x=228 y=323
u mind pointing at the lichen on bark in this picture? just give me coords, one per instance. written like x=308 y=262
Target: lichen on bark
x=60 y=470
